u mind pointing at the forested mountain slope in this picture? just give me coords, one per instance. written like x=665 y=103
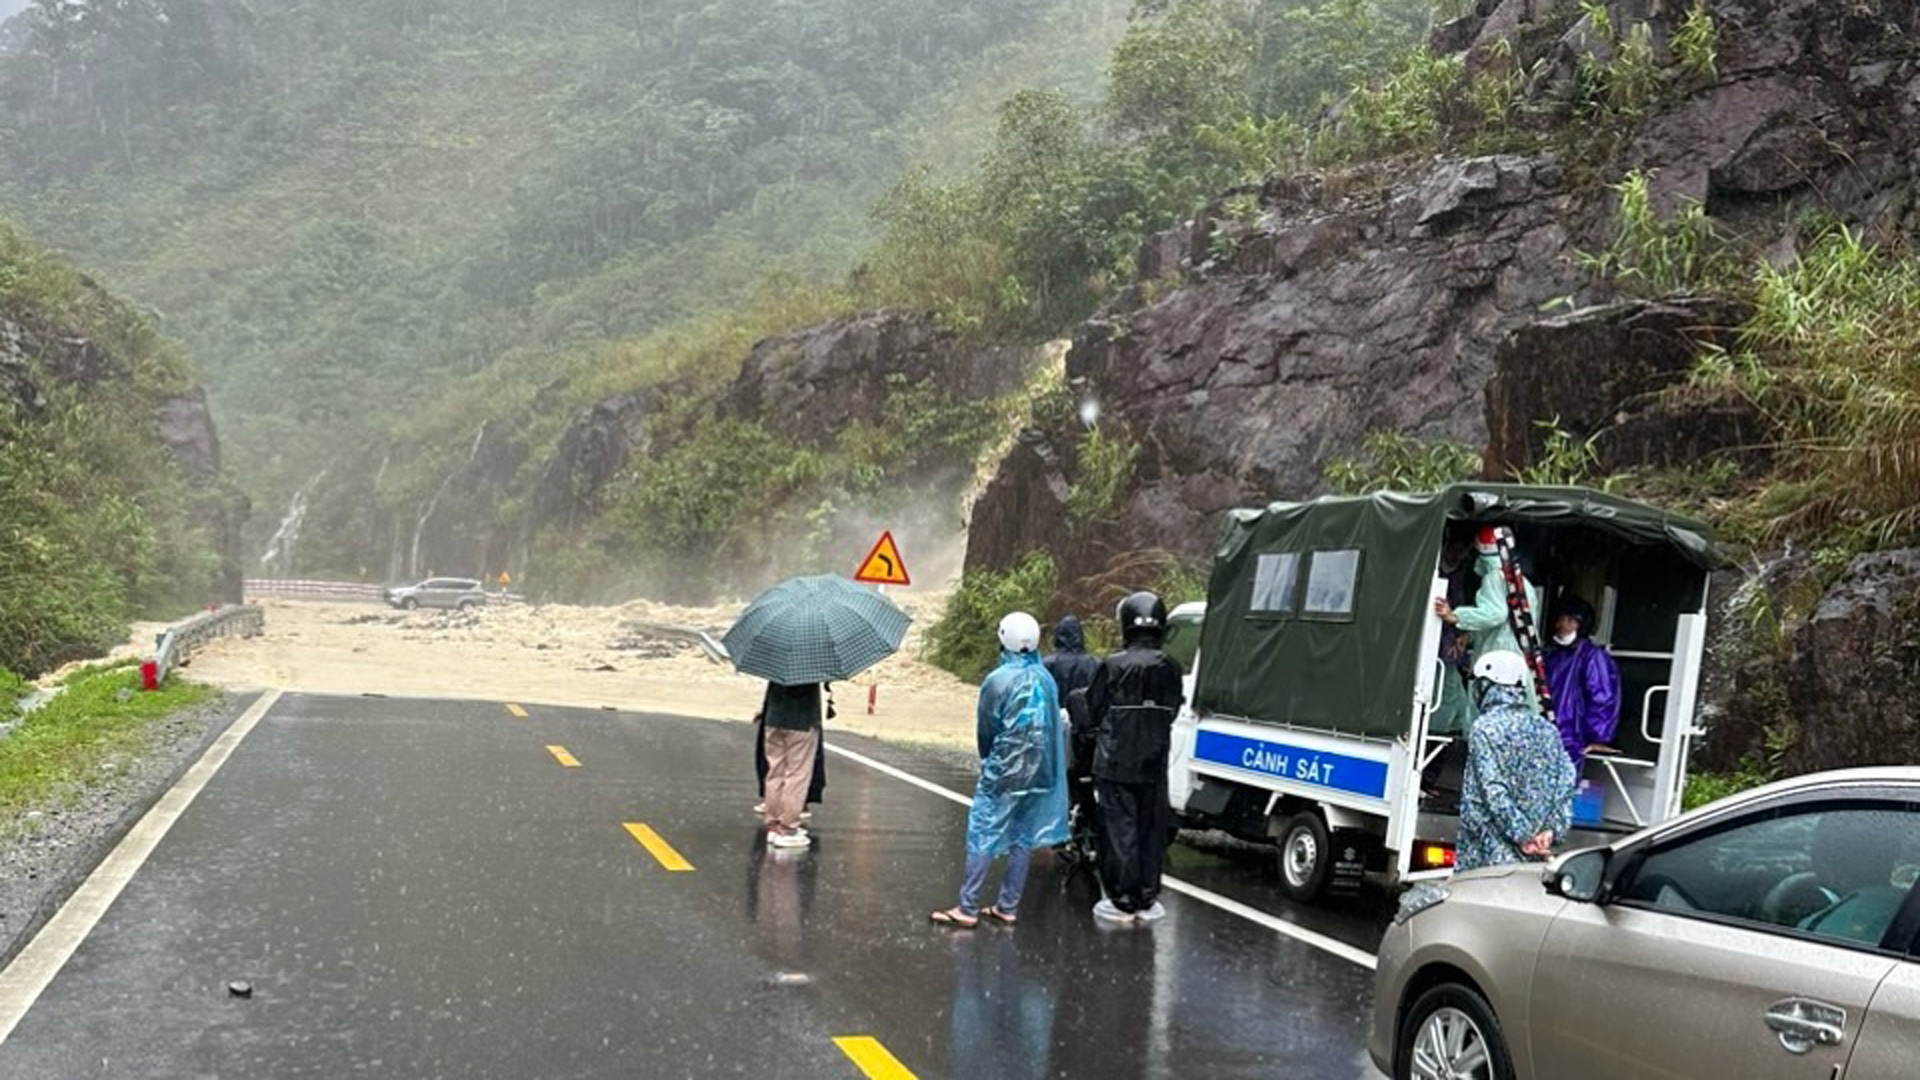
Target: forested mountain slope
x=342 y=208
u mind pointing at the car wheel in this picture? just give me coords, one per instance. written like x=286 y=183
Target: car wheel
x=1306 y=857
x=466 y=605
x=1451 y=1034
x=409 y=604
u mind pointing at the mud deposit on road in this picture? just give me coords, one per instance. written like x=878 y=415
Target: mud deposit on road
x=555 y=654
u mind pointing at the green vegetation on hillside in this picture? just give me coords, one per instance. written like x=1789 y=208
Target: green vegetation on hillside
x=1202 y=95
x=97 y=524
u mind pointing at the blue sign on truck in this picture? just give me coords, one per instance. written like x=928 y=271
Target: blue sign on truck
x=1320 y=768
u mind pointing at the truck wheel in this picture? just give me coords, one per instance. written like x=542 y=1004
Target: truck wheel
x=1306 y=857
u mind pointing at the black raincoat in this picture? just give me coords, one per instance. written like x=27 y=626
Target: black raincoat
x=1133 y=699
x=1072 y=669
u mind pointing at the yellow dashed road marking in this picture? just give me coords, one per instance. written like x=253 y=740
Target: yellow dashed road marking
x=516 y=710
x=873 y=1059
x=659 y=848
x=560 y=755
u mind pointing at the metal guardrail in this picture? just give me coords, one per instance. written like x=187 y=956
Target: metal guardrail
x=174 y=647
x=303 y=589
x=715 y=651
x=334 y=590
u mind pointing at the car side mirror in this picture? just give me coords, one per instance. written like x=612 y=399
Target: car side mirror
x=1578 y=875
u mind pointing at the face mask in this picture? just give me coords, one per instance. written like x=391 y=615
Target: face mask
x=1565 y=639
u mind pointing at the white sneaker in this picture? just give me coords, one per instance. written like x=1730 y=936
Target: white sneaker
x=1105 y=910
x=759 y=808
x=806 y=815
x=1156 y=912
x=794 y=839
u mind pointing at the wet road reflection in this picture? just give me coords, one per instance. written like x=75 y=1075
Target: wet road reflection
x=417 y=890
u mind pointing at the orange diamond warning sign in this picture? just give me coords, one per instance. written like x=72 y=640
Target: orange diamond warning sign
x=882 y=566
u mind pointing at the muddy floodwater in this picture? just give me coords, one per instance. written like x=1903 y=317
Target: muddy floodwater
x=556 y=654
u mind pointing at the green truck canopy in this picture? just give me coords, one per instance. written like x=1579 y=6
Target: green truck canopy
x=1316 y=610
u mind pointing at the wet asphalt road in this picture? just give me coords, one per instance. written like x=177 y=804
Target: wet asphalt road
x=423 y=889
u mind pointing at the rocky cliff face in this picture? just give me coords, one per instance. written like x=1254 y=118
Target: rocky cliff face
x=810 y=385
x=1422 y=305
x=1417 y=307
x=806 y=389
x=37 y=355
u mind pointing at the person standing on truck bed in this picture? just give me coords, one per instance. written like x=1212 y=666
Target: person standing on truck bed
x=1517 y=796
x=1453 y=711
x=1132 y=701
x=1584 y=682
x=1486 y=619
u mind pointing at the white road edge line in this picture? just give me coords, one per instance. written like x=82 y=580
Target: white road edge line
x=1206 y=896
x=22 y=982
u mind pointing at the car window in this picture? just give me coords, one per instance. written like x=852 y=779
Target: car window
x=1838 y=872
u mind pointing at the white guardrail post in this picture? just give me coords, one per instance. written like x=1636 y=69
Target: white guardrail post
x=173 y=648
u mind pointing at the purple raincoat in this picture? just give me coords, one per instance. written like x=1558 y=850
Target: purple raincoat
x=1585 y=684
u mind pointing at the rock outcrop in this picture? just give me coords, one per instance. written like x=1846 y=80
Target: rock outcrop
x=1261 y=349
x=594 y=449
x=810 y=385
x=1854 y=678
x=1604 y=373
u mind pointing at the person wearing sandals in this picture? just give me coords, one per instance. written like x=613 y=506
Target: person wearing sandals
x=1020 y=799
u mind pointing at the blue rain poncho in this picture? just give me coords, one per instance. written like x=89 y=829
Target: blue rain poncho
x=1020 y=800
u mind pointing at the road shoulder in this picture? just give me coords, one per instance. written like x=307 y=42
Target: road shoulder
x=62 y=840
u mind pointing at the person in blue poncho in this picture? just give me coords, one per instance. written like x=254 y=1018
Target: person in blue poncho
x=1020 y=800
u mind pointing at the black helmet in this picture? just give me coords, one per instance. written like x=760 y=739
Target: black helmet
x=1141 y=615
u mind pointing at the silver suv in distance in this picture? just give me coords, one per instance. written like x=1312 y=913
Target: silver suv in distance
x=441 y=592
x=1774 y=935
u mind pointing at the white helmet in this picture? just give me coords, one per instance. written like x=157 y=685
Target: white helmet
x=1503 y=668
x=1019 y=632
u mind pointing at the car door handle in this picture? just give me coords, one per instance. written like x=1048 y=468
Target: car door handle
x=1804 y=1024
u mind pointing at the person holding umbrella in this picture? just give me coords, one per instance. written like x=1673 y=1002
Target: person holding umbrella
x=799 y=635
x=791 y=715
x=1020 y=798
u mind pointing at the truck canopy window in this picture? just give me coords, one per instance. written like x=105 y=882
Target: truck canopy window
x=1331 y=577
x=1274 y=577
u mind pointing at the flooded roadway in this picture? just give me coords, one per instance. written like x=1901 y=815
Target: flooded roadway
x=448 y=889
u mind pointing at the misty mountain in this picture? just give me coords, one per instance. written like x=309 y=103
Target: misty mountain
x=343 y=208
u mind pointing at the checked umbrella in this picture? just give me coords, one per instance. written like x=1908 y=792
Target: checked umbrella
x=814 y=629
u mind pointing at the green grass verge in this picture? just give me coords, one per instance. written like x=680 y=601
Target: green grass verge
x=60 y=747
